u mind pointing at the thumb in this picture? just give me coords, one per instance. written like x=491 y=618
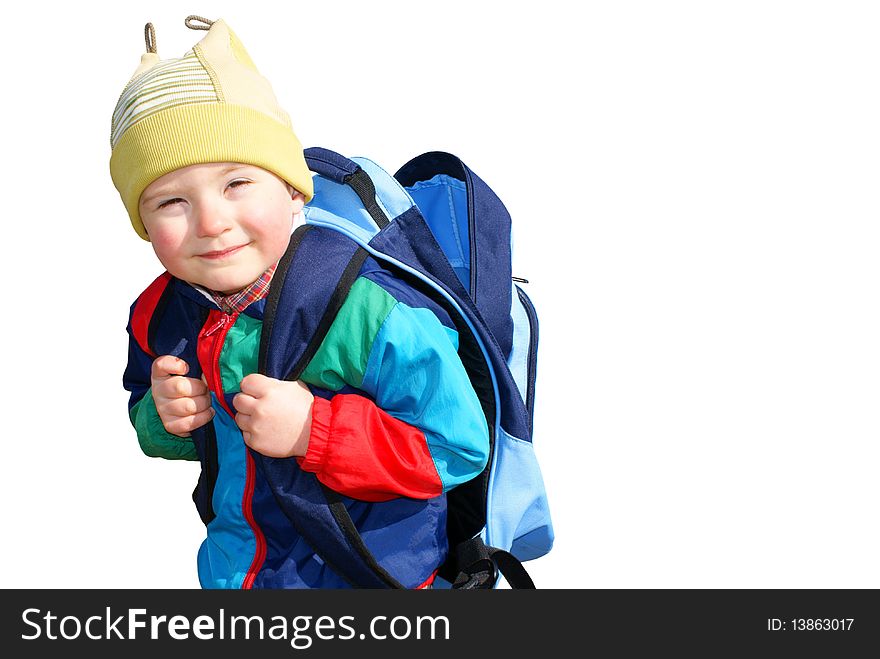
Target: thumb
x=255 y=384
x=168 y=365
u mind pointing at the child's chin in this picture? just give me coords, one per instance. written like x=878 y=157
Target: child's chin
x=224 y=286
x=228 y=290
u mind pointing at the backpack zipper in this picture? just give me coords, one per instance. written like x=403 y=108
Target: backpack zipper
x=223 y=325
x=531 y=369
x=472 y=234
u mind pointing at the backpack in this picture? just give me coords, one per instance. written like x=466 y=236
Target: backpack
x=442 y=230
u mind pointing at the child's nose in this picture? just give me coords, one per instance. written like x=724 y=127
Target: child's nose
x=211 y=219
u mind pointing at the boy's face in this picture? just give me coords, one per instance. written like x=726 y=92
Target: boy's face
x=219 y=225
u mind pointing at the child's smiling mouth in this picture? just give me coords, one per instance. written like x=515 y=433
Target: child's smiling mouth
x=222 y=254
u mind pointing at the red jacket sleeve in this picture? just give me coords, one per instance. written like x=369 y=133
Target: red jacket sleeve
x=361 y=451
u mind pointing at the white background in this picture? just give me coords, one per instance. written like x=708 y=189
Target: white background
x=694 y=194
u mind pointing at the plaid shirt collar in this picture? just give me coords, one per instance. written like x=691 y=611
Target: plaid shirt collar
x=238 y=302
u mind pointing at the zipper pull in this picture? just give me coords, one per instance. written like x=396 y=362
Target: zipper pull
x=220 y=324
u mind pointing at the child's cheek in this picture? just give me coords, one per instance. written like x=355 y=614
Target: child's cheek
x=275 y=230
x=167 y=245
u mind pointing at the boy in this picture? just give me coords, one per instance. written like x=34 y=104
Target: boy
x=213 y=176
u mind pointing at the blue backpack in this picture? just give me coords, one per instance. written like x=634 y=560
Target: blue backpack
x=441 y=229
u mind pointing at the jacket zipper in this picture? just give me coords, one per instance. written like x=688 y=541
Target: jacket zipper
x=531 y=369
x=223 y=325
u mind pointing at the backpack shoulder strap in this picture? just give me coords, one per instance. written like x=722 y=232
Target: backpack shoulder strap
x=309 y=287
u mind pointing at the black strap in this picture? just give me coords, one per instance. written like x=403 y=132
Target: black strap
x=346 y=523
x=362 y=184
x=512 y=569
x=340 y=169
x=479 y=566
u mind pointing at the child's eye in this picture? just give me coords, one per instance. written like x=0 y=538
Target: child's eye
x=169 y=202
x=238 y=183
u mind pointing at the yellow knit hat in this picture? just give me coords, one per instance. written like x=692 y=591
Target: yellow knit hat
x=211 y=105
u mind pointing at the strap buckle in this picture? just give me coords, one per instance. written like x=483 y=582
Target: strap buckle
x=480 y=574
x=479 y=566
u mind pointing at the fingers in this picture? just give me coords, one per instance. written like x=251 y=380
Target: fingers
x=183 y=403
x=245 y=422
x=167 y=365
x=256 y=385
x=179 y=387
x=185 y=406
x=182 y=426
x=244 y=403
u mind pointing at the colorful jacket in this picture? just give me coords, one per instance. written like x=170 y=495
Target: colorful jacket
x=395 y=425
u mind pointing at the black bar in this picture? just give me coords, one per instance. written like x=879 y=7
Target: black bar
x=592 y=623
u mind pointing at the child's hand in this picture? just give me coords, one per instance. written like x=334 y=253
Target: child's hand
x=183 y=404
x=275 y=416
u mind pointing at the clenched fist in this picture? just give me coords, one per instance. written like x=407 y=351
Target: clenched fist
x=183 y=403
x=275 y=416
